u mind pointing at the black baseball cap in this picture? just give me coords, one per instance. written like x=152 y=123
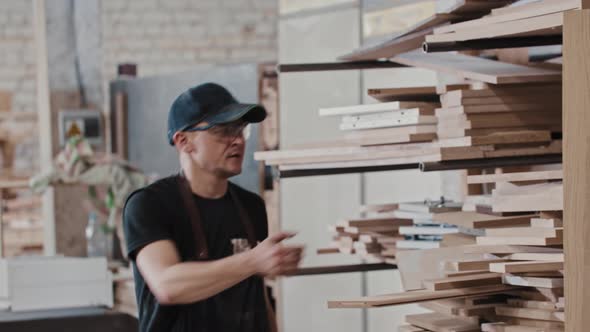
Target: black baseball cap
x=212 y=103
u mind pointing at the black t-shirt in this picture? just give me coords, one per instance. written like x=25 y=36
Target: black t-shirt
x=157 y=212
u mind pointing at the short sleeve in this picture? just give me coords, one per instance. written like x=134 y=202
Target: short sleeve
x=144 y=222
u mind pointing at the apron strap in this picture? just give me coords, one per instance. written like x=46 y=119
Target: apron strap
x=201 y=248
x=246 y=221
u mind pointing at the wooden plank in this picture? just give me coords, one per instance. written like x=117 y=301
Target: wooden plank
x=418 y=296
x=424 y=107
x=392 y=122
x=545 y=325
x=496 y=120
x=457 y=96
x=523 y=232
x=503 y=327
x=470 y=67
x=539 y=9
x=517 y=267
x=526 y=6
x=468 y=265
x=451 y=132
x=549 y=24
x=533 y=256
x=532 y=136
x=442 y=323
x=463 y=281
x=549 y=223
x=521 y=240
x=420 y=93
x=508 y=249
x=545 y=196
x=539 y=101
x=389 y=47
x=576 y=110
x=478 y=220
x=497 y=109
x=376 y=221
x=544 y=305
x=516 y=177
x=538 y=282
x=527 y=313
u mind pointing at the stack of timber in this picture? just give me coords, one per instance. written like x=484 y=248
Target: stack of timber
x=505 y=110
x=425 y=233
x=389 y=227
x=537 y=18
x=412 y=38
x=373 y=238
x=387 y=122
x=515 y=280
x=501 y=121
x=519 y=192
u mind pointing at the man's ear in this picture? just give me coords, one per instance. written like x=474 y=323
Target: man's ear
x=182 y=143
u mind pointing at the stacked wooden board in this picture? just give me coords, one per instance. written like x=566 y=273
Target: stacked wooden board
x=371 y=237
x=520 y=192
x=414 y=36
x=425 y=233
x=387 y=122
x=390 y=227
x=515 y=281
x=538 y=18
x=501 y=120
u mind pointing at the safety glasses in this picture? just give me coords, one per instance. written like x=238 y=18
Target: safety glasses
x=227 y=130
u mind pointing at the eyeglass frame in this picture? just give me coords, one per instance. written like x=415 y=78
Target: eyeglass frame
x=244 y=125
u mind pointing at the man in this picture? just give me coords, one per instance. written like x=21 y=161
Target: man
x=193 y=237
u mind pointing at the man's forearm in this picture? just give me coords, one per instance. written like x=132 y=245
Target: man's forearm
x=195 y=281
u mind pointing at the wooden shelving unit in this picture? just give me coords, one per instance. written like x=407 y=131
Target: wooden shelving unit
x=541 y=26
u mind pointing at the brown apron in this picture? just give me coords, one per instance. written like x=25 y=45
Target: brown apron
x=201 y=249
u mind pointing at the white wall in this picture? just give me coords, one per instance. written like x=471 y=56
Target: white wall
x=309 y=204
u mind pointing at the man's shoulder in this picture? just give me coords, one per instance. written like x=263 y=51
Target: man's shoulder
x=160 y=189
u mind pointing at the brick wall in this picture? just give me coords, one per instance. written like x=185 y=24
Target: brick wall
x=17 y=53
x=164 y=36
x=161 y=36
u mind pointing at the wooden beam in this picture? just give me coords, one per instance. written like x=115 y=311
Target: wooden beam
x=517 y=267
x=418 y=296
x=475 y=280
x=576 y=115
x=44 y=123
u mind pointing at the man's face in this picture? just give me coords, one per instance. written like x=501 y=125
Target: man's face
x=220 y=149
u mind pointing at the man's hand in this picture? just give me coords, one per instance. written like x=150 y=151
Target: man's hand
x=271 y=258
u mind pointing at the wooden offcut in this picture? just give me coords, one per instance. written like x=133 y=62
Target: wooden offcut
x=418 y=296
x=478 y=220
x=517 y=267
x=463 y=281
